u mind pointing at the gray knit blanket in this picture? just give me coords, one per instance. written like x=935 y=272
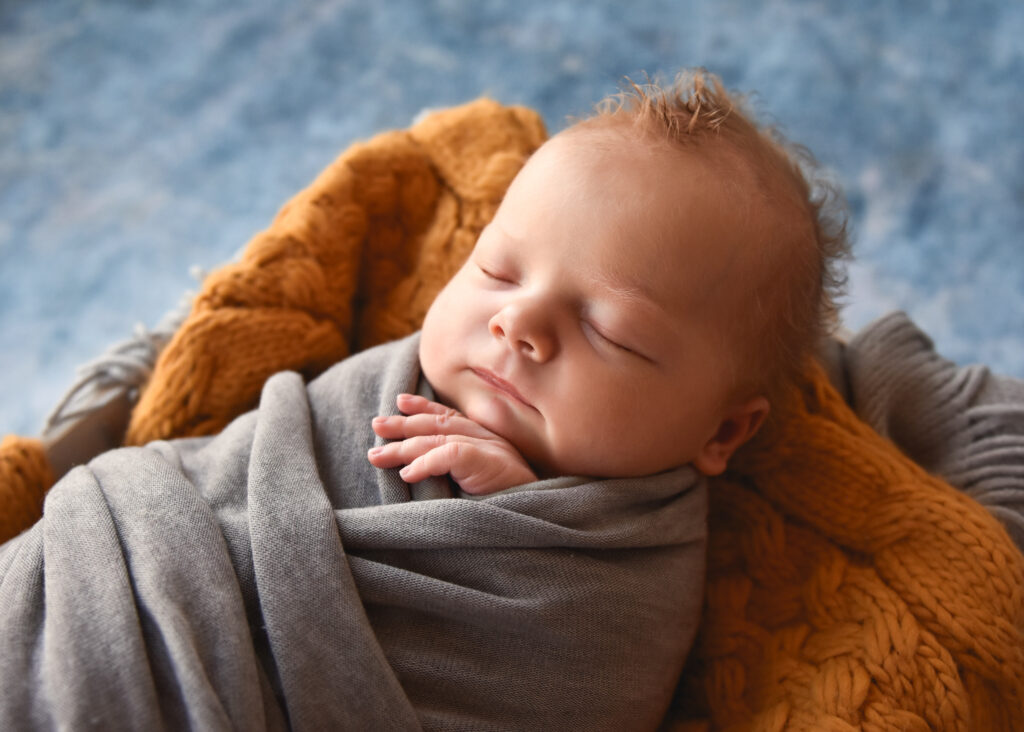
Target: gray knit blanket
x=270 y=578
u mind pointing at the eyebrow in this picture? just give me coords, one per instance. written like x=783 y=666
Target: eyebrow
x=630 y=291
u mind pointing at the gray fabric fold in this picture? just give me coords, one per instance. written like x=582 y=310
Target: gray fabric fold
x=270 y=578
x=963 y=423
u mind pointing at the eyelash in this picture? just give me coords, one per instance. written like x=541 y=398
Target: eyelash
x=606 y=339
x=497 y=278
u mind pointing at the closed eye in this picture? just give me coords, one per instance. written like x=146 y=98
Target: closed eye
x=489 y=274
x=613 y=343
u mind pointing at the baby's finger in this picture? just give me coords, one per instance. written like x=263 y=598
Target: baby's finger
x=448 y=422
x=404 y=452
x=415 y=404
x=439 y=461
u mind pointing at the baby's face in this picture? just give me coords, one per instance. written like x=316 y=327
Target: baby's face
x=587 y=326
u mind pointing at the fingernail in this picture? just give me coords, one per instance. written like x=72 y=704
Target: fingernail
x=379 y=420
x=374 y=451
x=404 y=472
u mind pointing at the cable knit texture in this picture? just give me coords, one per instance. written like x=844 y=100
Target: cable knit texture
x=847 y=588
x=25 y=476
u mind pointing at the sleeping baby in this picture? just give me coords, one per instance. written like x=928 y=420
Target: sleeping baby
x=524 y=547
x=651 y=276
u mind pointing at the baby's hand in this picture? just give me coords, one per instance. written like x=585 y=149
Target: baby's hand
x=432 y=439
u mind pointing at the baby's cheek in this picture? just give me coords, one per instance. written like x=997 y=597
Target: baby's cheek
x=433 y=357
x=607 y=438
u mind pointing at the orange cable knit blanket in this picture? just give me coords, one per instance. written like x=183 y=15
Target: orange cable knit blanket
x=847 y=588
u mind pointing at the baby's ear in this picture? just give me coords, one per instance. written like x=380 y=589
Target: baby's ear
x=738 y=425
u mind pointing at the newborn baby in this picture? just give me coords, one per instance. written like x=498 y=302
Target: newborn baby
x=651 y=277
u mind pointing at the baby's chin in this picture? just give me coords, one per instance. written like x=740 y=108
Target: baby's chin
x=507 y=422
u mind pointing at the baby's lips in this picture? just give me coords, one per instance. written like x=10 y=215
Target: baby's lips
x=501 y=385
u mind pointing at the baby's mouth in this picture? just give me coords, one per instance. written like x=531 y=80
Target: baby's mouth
x=499 y=384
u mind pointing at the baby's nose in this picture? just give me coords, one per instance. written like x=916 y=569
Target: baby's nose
x=526 y=330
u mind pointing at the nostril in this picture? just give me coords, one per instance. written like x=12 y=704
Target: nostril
x=526 y=347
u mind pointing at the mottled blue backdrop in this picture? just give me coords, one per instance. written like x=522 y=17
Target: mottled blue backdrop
x=139 y=139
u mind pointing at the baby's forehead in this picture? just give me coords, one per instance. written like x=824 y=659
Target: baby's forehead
x=667 y=179
x=746 y=161
x=730 y=200
x=738 y=207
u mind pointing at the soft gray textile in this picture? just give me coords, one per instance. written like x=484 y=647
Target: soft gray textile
x=965 y=424
x=271 y=577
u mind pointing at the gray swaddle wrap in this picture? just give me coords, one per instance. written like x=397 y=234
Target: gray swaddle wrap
x=271 y=577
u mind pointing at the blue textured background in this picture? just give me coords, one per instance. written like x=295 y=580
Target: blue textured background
x=138 y=139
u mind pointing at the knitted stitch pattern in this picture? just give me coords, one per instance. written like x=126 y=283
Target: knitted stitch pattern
x=25 y=476
x=846 y=587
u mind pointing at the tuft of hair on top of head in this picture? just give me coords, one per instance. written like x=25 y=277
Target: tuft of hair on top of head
x=696 y=112
x=695 y=103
